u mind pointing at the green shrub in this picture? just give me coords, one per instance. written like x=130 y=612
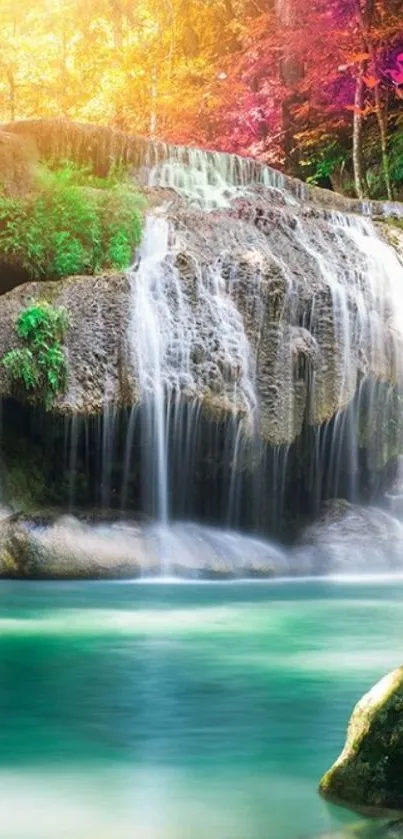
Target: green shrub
x=72 y=223
x=39 y=368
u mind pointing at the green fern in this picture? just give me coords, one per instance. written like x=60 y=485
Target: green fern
x=39 y=368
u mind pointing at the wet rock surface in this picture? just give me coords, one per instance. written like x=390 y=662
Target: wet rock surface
x=67 y=548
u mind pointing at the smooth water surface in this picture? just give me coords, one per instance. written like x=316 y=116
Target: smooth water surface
x=152 y=711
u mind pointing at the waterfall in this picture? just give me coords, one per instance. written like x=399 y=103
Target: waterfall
x=258 y=313
x=246 y=369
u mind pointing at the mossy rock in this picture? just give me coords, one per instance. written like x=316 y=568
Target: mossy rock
x=8 y=564
x=368 y=775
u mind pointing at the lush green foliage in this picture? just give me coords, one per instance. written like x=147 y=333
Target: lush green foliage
x=72 y=223
x=39 y=367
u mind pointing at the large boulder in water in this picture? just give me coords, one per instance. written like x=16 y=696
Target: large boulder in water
x=368 y=775
x=350 y=538
x=70 y=548
x=196 y=551
x=67 y=548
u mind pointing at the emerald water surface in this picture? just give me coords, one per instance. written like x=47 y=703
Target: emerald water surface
x=152 y=711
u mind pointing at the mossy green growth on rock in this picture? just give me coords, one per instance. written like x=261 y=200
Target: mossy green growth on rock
x=38 y=368
x=368 y=775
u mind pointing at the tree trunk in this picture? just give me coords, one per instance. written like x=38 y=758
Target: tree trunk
x=384 y=143
x=366 y=11
x=11 y=94
x=291 y=73
x=357 y=131
x=153 y=104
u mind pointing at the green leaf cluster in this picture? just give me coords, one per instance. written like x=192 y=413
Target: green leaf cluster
x=39 y=367
x=71 y=223
x=396 y=156
x=323 y=162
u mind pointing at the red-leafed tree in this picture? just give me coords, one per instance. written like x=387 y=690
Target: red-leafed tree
x=310 y=83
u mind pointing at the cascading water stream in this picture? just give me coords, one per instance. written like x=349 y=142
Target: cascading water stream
x=152 y=327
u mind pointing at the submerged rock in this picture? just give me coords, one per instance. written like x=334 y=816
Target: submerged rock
x=368 y=775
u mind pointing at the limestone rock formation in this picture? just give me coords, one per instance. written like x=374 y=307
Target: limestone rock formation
x=367 y=776
x=297 y=353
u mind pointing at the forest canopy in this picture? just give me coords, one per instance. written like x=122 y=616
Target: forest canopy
x=314 y=87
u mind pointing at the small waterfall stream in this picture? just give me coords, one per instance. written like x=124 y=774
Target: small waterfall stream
x=152 y=328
